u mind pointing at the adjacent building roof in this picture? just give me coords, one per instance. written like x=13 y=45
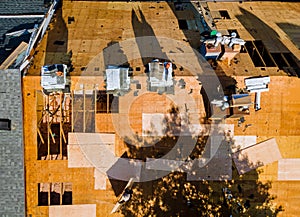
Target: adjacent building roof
x=22 y=25
x=19 y=16
x=9 y=7
x=12 y=190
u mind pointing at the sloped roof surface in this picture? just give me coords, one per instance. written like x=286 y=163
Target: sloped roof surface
x=7 y=25
x=22 y=7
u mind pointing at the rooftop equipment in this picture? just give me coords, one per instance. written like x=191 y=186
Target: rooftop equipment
x=54 y=77
x=117 y=78
x=257 y=85
x=217 y=46
x=160 y=75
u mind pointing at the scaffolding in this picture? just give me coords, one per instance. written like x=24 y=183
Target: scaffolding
x=54 y=123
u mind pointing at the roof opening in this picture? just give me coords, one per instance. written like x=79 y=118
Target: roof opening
x=107 y=103
x=255 y=57
x=233 y=31
x=264 y=53
x=224 y=14
x=279 y=60
x=183 y=24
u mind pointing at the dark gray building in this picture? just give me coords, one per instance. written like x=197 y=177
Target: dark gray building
x=12 y=186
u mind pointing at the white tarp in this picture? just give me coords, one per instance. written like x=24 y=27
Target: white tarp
x=73 y=210
x=153 y=124
x=289 y=169
x=242 y=142
x=257 y=155
x=86 y=150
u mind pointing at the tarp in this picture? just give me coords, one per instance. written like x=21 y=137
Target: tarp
x=257 y=155
x=73 y=210
x=289 y=169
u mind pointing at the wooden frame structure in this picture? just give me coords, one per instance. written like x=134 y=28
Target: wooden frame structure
x=54 y=112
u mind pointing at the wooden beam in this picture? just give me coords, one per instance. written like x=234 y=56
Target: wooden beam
x=72 y=114
x=83 y=110
x=95 y=98
x=60 y=125
x=49 y=193
x=61 y=192
x=48 y=136
x=40 y=135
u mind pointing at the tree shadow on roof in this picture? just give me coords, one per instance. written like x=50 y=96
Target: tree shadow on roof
x=185 y=191
x=175 y=195
x=57 y=41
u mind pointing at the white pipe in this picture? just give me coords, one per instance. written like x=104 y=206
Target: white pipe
x=257 y=101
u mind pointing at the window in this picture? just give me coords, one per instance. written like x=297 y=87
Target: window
x=5 y=124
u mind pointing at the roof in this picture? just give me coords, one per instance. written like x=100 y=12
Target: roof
x=18 y=15
x=16 y=57
x=85 y=150
x=23 y=7
x=12 y=191
x=9 y=25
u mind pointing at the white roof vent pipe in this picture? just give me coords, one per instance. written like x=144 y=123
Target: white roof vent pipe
x=218 y=39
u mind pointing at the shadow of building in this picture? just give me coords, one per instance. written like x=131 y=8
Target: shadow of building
x=267 y=50
x=57 y=41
